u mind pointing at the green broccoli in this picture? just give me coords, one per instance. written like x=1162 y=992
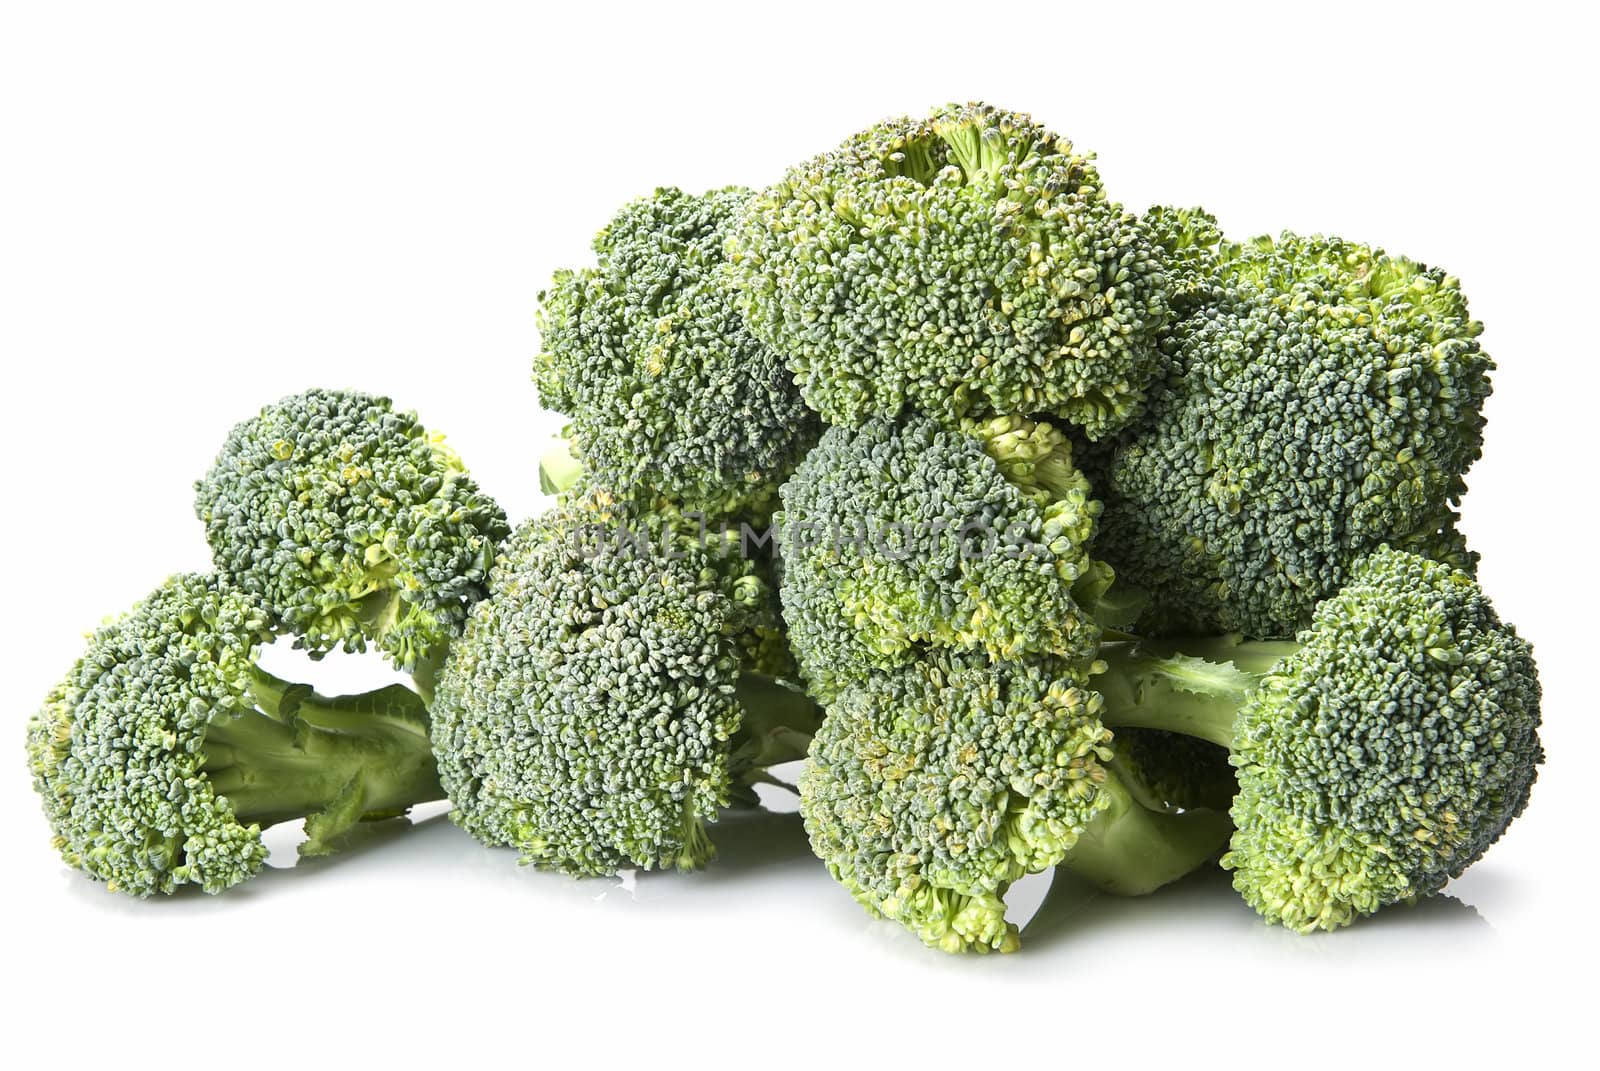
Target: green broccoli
x=166 y=749
x=1377 y=757
x=739 y=547
x=1327 y=401
x=932 y=786
x=1173 y=772
x=353 y=523
x=968 y=263
x=595 y=713
x=664 y=384
x=900 y=536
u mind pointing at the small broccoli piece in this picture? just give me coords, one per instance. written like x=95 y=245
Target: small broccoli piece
x=740 y=547
x=594 y=714
x=166 y=749
x=932 y=786
x=665 y=385
x=1327 y=402
x=1174 y=772
x=1377 y=757
x=900 y=536
x=1190 y=247
x=966 y=264
x=353 y=523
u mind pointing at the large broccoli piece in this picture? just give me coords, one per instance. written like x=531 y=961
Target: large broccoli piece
x=1378 y=756
x=353 y=523
x=901 y=536
x=166 y=749
x=665 y=385
x=968 y=263
x=1326 y=400
x=931 y=787
x=595 y=714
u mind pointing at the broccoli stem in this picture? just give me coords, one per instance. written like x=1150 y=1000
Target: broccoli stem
x=1131 y=850
x=558 y=468
x=778 y=724
x=333 y=761
x=1194 y=687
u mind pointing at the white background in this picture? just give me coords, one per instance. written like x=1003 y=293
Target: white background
x=208 y=206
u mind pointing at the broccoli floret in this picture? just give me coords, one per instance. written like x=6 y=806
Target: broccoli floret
x=1378 y=756
x=932 y=786
x=1328 y=401
x=1173 y=772
x=353 y=523
x=664 y=384
x=594 y=714
x=1190 y=247
x=900 y=536
x=166 y=749
x=968 y=263
x=740 y=547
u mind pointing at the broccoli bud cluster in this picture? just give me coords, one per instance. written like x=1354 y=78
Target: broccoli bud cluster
x=664 y=383
x=1327 y=403
x=354 y=524
x=966 y=263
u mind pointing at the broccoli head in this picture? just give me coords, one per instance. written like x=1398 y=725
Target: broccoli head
x=1378 y=756
x=665 y=385
x=933 y=786
x=968 y=263
x=1327 y=402
x=353 y=523
x=166 y=749
x=899 y=536
x=595 y=714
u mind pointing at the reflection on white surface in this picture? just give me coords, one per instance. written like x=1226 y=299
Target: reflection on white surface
x=765 y=878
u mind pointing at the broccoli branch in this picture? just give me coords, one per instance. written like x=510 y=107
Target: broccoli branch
x=1131 y=850
x=1194 y=687
x=333 y=761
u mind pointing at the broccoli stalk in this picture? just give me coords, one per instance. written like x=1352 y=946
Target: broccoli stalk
x=777 y=727
x=1131 y=850
x=559 y=467
x=333 y=761
x=1190 y=686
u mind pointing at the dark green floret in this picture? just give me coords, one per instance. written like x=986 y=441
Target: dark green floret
x=353 y=523
x=595 y=715
x=740 y=547
x=968 y=263
x=1377 y=757
x=1174 y=772
x=900 y=537
x=1329 y=401
x=933 y=786
x=665 y=385
x=165 y=751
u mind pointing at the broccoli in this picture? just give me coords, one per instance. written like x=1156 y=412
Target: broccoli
x=932 y=786
x=1173 y=772
x=664 y=384
x=354 y=524
x=166 y=749
x=595 y=714
x=968 y=263
x=1377 y=757
x=1326 y=402
x=900 y=536
x=738 y=547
